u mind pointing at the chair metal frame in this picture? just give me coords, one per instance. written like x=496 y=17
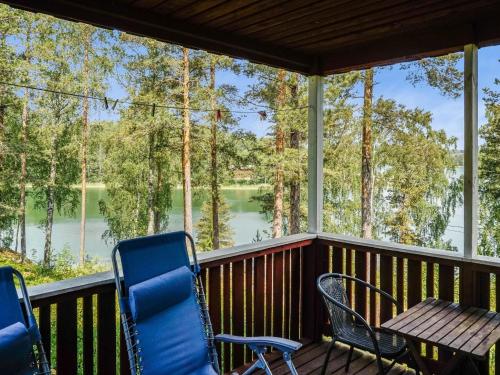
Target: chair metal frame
x=258 y=345
x=360 y=321
x=40 y=362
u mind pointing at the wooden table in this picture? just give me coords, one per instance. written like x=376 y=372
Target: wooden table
x=468 y=332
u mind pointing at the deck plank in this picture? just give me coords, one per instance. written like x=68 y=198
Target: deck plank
x=309 y=360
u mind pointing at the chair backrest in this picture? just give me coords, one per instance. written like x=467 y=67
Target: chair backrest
x=160 y=302
x=331 y=287
x=19 y=334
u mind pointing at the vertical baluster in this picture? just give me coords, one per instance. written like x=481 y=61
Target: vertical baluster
x=278 y=294
x=67 y=337
x=88 y=336
x=414 y=282
x=215 y=301
x=338 y=260
x=482 y=291
x=124 y=361
x=227 y=315
x=248 y=304
x=446 y=291
x=400 y=274
x=238 y=293
x=386 y=284
x=430 y=293
x=373 y=295
x=361 y=268
x=106 y=333
x=286 y=295
x=349 y=271
x=259 y=299
x=269 y=294
x=295 y=290
x=45 y=327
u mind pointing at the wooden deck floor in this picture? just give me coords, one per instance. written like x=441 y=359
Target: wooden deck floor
x=310 y=358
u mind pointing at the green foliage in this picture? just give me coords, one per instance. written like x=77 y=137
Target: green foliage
x=204 y=227
x=489 y=176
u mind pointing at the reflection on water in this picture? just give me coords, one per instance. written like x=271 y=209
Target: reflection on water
x=245 y=222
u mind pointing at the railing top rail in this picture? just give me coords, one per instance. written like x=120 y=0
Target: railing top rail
x=105 y=279
x=410 y=251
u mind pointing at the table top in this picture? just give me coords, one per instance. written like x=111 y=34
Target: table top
x=451 y=326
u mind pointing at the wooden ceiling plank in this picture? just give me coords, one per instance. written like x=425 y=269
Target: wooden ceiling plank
x=257 y=9
x=170 y=6
x=436 y=41
x=196 y=8
x=295 y=9
x=394 y=17
x=148 y=4
x=352 y=12
x=140 y=22
x=407 y=23
x=220 y=10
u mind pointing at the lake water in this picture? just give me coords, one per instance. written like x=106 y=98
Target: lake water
x=245 y=222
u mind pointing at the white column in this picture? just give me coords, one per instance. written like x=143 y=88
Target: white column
x=315 y=155
x=470 y=151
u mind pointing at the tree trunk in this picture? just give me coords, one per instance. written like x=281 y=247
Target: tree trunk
x=366 y=158
x=158 y=188
x=22 y=179
x=186 y=157
x=151 y=193
x=213 y=164
x=295 y=178
x=47 y=254
x=85 y=137
x=277 y=229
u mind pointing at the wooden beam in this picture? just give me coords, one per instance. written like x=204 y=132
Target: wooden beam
x=413 y=45
x=114 y=15
x=471 y=200
x=315 y=155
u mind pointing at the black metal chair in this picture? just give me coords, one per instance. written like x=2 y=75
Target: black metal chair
x=352 y=329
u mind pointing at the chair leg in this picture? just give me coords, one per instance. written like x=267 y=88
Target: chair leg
x=325 y=363
x=288 y=360
x=380 y=365
x=349 y=357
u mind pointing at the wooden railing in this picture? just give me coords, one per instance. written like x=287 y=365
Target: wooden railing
x=265 y=288
x=412 y=274
x=252 y=290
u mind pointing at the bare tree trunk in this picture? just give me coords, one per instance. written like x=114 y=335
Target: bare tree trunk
x=277 y=230
x=186 y=156
x=366 y=156
x=295 y=178
x=213 y=164
x=47 y=254
x=159 y=184
x=85 y=137
x=151 y=193
x=22 y=179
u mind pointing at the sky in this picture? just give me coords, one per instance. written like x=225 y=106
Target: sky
x=447 y=113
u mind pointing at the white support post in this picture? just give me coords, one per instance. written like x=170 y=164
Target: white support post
x=470 y=151
x=315 y=155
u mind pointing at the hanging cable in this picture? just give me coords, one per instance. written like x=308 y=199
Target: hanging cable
x=153 y=106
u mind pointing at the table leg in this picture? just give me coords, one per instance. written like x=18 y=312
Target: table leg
x=416 y=356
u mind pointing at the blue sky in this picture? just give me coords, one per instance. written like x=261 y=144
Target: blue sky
x=447 y=113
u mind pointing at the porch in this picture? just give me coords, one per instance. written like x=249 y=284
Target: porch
x=269 y=288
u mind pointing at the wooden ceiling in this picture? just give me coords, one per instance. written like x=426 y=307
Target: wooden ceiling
x=312 y=37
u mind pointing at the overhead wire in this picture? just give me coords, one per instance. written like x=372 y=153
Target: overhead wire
x=110 y=102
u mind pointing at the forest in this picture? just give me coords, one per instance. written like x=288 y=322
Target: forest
x=388 y=174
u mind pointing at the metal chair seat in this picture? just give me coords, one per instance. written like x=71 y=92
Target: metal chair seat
x=389 y=345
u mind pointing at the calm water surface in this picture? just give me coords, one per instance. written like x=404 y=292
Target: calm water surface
x=245 y=222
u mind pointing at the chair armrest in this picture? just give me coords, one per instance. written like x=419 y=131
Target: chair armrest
x=374 y=288
x=283 y=345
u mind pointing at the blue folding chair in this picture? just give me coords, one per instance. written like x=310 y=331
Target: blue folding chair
x=21 y=349
x=164 y=313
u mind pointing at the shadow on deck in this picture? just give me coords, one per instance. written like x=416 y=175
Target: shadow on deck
x=309 y=360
